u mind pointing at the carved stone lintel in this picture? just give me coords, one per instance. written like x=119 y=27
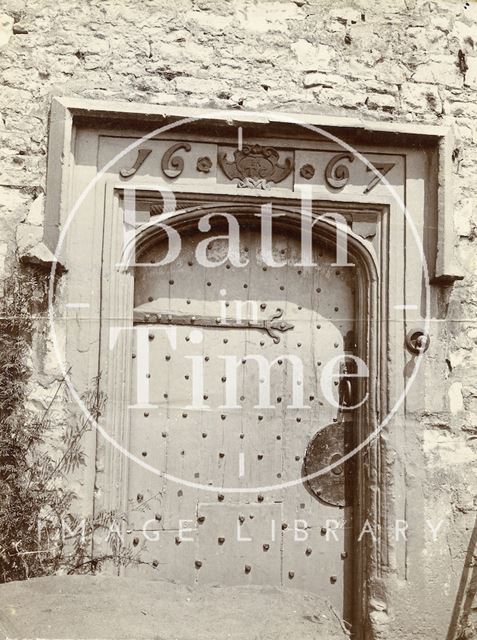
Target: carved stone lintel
x=172 y=166
x=336 y=174
x=255 y=166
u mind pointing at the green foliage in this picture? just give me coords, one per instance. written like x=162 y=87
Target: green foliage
x=39 y=533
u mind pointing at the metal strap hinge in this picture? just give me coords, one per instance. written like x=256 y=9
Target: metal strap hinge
x=272 y=326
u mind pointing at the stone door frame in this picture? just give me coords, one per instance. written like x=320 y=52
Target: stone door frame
x=375 y=505
x=66 y=113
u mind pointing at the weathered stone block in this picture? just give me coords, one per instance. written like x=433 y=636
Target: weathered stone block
x=385 y=102
x=456 y=401
x=28 y=236
x=198 y=85
x=349 y=97
x=471 y=73
x=274 y=18
x=441 y=72
x=319 y=79
x=424 y=99
x=208 y=21
x=311 y=57
x=6 y=29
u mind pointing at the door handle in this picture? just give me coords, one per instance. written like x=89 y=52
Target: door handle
x=417 y=341
x=345 y=393
x=345 y=387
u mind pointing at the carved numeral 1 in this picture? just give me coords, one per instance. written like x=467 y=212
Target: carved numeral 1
x=141 y=156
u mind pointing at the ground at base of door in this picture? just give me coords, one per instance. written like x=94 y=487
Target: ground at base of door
x=100 y=607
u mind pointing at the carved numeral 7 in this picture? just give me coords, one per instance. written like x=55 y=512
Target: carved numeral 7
x=383 y=168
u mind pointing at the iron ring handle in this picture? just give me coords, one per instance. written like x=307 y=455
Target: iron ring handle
x=417 y=341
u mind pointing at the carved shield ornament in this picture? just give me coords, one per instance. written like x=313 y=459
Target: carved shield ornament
x=255 y=166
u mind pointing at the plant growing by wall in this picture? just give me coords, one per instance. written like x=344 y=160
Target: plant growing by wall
x=39 y=532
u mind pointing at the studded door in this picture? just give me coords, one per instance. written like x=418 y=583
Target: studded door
x=218 y=435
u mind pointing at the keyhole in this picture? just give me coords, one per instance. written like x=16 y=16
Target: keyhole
x=338 y=470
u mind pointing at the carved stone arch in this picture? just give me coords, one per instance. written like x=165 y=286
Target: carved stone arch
x=360 y=250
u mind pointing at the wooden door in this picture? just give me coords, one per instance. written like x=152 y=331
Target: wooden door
x=268 y=530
